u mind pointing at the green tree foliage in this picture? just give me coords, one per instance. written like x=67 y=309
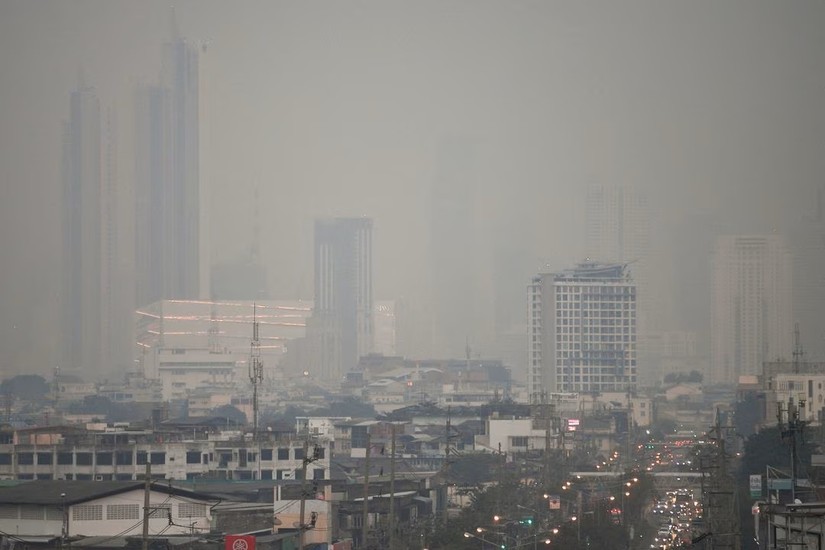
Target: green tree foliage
x=231 y=413
x=28 y=387
x=693 y=376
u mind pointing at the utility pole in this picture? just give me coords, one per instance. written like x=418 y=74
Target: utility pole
x=366 y=512
x=147 y=489
x=302 y=519
x=392 y=489
x=721 y=499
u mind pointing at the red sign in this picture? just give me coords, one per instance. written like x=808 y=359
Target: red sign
x=240 y=542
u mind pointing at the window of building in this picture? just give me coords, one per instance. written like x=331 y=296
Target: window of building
x=123 y=511
x=193 y=457
x=25 y=458
x=87 y=512
x=31 y=511
x=124 y=458
x=161 y=511
x=318 y=473
x=65 y=459
x=191 y=510
x=283 y=453
x=266 y=454
x=519 y=441
x=83 y=459
x=159 y=458
x=266 y=474
x=44 y=458
x=8 y=511
x=141 y=457
x=5 y=459
x=104 y=459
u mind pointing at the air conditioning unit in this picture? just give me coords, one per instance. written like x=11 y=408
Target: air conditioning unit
x=98 y=477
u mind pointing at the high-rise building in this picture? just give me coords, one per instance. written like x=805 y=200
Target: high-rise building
x=342 y=324
x=808 y=248
x=167 y=195
x=582 y=331
x=82 y=242
x=750 y=305
x=618 y=230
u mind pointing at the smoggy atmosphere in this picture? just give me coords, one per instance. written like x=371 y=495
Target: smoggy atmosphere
x=469 y=132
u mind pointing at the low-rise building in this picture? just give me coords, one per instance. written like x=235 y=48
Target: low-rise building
x=69 y=509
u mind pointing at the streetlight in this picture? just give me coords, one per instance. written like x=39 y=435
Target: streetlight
x=483 y=541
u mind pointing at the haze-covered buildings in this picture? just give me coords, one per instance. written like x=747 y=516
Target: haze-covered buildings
x=342 y=327
x=750 y=305
x=167 y=180
x=82 y=239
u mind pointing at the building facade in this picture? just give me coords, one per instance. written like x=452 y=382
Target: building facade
x=582 y=331
x=750 y=305
x=343 y=317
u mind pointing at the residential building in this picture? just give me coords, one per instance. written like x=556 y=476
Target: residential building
x=196 y=449
x=66 y=510
x=582 y=331
x=751 y=305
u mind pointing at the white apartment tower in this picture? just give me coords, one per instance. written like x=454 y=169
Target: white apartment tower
x=750 y=305
x=582 y=331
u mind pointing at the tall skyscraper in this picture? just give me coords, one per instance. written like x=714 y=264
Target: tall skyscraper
x=342 y=323
x=82 y=224
x=751 y=305
x=463 y=309
x=808 y=249
x=167 y=195
x=582 y=331
x=618 y=230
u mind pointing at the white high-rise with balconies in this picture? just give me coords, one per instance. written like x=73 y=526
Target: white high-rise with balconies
x=751 y=318
x=582 y=331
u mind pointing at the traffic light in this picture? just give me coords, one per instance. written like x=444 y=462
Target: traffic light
x=526 y=520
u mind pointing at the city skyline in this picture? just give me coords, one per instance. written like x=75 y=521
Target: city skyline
x=344 y=111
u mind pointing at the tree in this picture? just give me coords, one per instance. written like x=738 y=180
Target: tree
x=231 y=413
x=28 y=387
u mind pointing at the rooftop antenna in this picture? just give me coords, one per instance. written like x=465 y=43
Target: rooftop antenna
x=798 y=352
x=256 y=369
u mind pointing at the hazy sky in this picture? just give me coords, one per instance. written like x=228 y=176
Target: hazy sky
x=716 y=109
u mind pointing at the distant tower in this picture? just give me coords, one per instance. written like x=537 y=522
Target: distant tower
x=82 y=240
x=167 y=196
x=751 y=305
x=342 y=320
x=256 y=369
